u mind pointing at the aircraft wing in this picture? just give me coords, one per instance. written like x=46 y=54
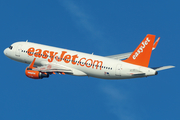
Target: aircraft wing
x=126 y=55
x=53 y=68
x=120 y=56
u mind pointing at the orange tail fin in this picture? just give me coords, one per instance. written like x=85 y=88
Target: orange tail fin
x=141 y=55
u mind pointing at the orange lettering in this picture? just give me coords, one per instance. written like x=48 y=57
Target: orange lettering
x=80 y=61
x=73 y=59
x=67 y=57
x=52 y=54
x=30 y=51
x=90 y=63
x=61 y=57
x=45 y=54
x=38 y=54
x=97 y=64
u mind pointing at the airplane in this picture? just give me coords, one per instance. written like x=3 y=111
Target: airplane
x=46 y=60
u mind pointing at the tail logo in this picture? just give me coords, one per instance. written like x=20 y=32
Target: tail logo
x=141 y=48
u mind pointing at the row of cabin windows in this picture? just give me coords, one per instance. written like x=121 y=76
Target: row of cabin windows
x=69 y=60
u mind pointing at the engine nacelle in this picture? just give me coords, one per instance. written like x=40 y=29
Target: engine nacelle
x=35 y=74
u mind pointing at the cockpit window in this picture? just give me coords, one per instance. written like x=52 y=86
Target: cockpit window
x=10 y=47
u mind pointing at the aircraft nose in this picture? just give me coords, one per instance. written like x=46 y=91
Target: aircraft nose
x=5 y=52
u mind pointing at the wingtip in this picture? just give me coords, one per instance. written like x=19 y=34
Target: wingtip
x=155 y=44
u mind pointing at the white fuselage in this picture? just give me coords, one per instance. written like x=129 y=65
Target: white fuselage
x=82 y=64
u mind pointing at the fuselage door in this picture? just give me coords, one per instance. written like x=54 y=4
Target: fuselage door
x=118 y=69
x=18 y=50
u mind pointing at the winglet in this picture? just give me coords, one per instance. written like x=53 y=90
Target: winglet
x=141 y=55
x=32 y=64
x=155 y=44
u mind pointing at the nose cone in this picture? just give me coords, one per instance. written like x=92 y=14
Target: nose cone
x=5 y=52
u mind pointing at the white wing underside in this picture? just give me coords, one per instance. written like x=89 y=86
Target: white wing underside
x=53 y=68
x=58 y=68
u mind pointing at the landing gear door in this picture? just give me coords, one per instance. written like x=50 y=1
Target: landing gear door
x=18 y=50
x=118 y=69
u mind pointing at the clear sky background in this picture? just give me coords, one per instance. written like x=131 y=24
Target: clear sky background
x=105 y=28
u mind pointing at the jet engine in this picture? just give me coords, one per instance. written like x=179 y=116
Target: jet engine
x=35 y=74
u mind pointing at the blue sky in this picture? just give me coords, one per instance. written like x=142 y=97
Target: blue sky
x=105 y=28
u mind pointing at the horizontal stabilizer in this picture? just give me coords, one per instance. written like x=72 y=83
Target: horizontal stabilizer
x=163 y=68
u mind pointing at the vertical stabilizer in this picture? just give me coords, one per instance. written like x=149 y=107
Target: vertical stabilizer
x=141 y=55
